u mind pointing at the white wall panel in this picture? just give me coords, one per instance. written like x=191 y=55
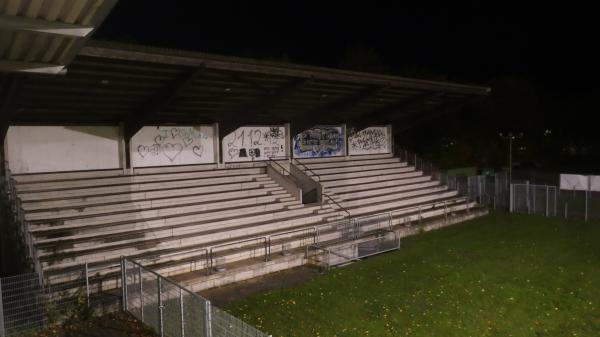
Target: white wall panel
x=250 y=143
x=372 y=140
x=173 y=145
x=33 y=149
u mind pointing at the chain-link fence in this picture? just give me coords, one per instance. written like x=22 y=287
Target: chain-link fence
x=173 y=311
x=549 y=200
x=534 y=199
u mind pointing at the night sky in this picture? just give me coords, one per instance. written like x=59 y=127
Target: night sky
x=471 y=42
x=541 y=60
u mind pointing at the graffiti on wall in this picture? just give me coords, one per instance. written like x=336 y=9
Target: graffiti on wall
x=319 y=141
x=371 y=140
x=176 y=145
x=251 y=143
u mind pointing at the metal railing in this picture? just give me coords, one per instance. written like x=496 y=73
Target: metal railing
x=174 y=311
x=342 y=208
x=352 y=251
x=306 y=169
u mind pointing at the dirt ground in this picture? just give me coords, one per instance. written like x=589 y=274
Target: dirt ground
x=225 y=295
x=114 y=325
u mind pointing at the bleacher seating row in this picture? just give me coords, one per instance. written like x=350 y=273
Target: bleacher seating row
x=171 y=217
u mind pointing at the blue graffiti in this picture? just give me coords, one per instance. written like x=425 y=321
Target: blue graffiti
x=319 y=141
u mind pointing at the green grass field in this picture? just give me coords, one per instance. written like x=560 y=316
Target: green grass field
x=499 y=275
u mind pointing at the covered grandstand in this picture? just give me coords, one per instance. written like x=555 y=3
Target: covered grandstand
x=207 y=168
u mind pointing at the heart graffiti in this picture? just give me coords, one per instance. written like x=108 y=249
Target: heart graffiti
x=171 y=151
x=188 y=141
x=143 y=150
x=198 y=150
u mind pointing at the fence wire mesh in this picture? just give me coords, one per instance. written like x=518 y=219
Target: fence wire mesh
x=534 y=199
x=173 y=311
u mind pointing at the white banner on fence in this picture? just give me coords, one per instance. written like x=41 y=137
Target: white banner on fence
x=574 y=182
x=595 y=183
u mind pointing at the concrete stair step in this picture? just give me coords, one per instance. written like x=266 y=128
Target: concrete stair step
x=361 y=168
x=371 y=179
x=142 y=187
x=128 y=180
x=71 y=203
x=393 y=196
x=364 y=174
x=350 y=163
x=399 y=183
x=130 y=207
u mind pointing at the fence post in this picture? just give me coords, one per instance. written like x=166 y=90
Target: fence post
x=87 y=285
x=534 y=199
x=207 y=319
x=586 y=205
x=511 y=198
x=555 y=200
x=141 y=293
x=1 y=312
x=566 y=210
x=123 y=286
x=547 y=196
x=160 y=306
x=181 y=312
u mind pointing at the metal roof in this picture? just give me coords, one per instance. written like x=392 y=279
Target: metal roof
x=109 y=83
x=43 y=36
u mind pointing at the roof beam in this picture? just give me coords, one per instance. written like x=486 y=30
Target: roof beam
x=159 y=101
x=25 y=24
x=334 y=108
x=157 y=55
x=32 y=67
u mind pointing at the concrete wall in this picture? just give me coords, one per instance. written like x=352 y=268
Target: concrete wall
x=250 y=143
x=173 y=145
x=372 y=140
x=320 y=141
x=32 y=149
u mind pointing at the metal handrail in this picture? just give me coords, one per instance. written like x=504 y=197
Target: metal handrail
x=263 y=238
x=338 y=204
x=307 y=169
x=314 y=229
x=289 y=174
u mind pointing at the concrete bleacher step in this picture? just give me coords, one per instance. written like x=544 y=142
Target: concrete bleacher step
x=350 y=169
x=40 y=177
x=364 y=201
x=174 y=169
x=159 y=213
x=74 y=256
x=237 y=268
x=137 y=206
x=398 y=204
x=375 y=178
x=128 y=180
x=395 y=183
x=363 y=174
x=85 y=192
x=348 y=163
x=180 y=265
x=343 y=159
x=76 y=203
x=388 y=190
x=81 y=226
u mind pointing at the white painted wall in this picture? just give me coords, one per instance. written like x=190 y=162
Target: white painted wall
x=372 y=140
x=251 y=143
x=321 y=141
x=173 y=145
x=33 y=149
